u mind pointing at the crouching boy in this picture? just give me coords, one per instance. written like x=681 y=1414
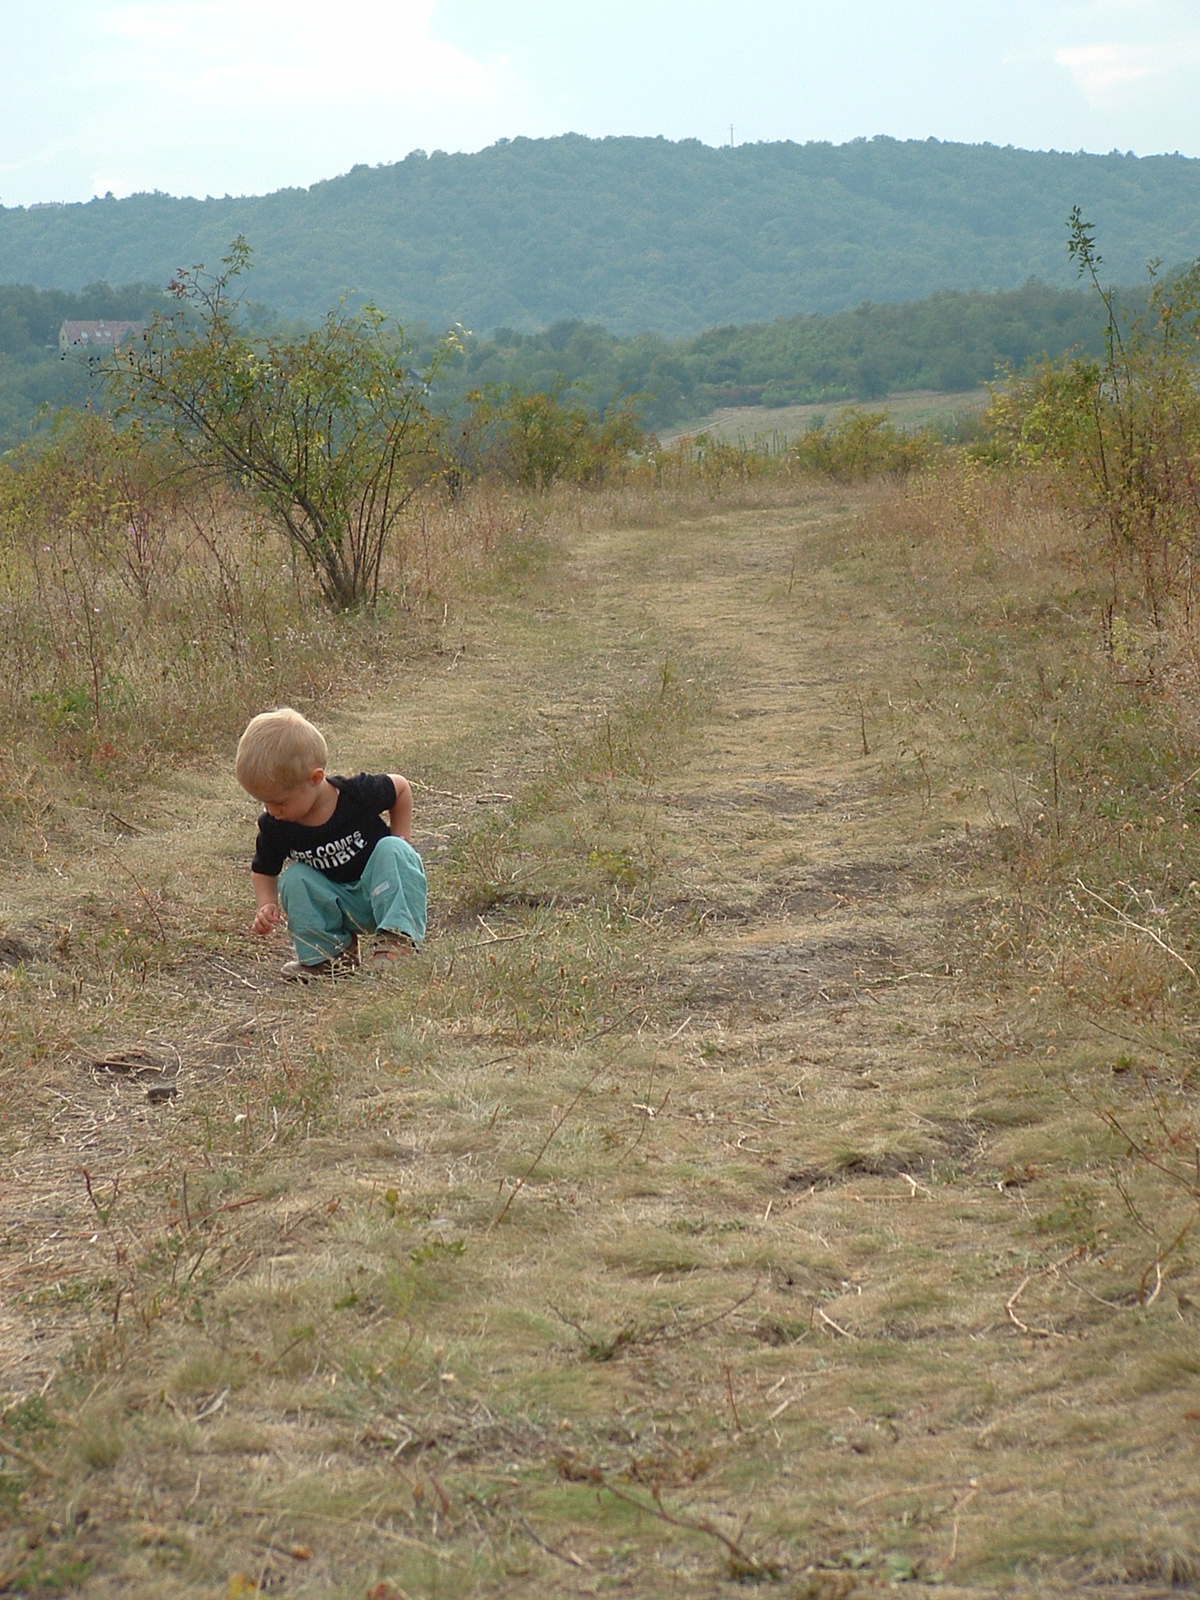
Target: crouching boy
x=350 y=872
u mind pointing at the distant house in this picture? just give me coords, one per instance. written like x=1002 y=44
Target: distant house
x=96 y=338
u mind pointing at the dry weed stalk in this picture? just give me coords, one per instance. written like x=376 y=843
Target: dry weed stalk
x=1138 y=927
x=25 y=1457
x=743 y=1564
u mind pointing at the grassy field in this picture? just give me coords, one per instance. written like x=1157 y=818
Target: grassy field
x=910 y=411
x=731 y=1192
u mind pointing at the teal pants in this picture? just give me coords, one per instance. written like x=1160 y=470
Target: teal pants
x=324 y=917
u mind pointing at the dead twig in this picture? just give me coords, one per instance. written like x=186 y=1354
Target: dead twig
x=737 y=1421
x=210 y=1409
x=1182 y=784
x=25 y=1457
x=1139 y=927
x=960 y=1507
x=529 y=1170
x=1136 y=1148
x=688 y=1329
x=601 y=1349
x=233 y=973
x=297 y=1552
x=137 y=883
x=836 y=1326
x=1112 y=1305
x=1010 y=1307
x=130 y=827
x=1158 y=1274
x=742 y=1564
x=449 y=794
x=907 y=1488
x=915 y=1186
x=568 y=1556
x=528 y=1173
x=904 y=977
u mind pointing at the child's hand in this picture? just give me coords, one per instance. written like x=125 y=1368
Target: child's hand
x=265 y=918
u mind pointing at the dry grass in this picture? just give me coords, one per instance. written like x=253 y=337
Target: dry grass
x=134 y=637
x=725 y=1193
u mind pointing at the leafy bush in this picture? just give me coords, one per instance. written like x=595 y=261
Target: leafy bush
x=862 y=444
x=539 y=438
x=329 y=431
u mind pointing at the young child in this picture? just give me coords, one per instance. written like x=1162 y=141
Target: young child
x=350 y=872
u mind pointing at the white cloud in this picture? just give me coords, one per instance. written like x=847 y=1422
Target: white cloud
x=1121 y=52
x=291 y=52
x=1108 y=72
x=1098 y=68
x=215 y=96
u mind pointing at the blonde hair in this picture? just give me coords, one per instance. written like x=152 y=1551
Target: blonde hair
x=278 y=747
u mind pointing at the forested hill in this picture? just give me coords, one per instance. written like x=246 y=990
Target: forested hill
x=638 y=233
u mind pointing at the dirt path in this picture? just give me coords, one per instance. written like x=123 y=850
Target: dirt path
x=675 y=1214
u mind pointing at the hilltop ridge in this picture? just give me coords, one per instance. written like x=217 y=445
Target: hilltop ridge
x=637 y=233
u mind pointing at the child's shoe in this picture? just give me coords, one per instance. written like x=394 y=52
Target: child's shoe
x=339 y=966
x=390 y=946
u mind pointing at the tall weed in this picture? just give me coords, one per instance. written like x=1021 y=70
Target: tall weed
x=147 y=613
x=1123 y=432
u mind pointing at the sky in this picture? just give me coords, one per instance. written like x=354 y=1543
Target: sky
x=219 y=97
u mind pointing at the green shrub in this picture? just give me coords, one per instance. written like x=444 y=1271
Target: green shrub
x=862 y=444
x=539 y=438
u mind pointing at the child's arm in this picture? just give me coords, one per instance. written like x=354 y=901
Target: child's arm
x=400 y=815
x=266 y=893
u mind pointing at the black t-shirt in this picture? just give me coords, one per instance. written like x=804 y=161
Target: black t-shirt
x=341 y=847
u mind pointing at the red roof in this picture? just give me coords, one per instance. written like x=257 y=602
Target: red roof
x=97 y=335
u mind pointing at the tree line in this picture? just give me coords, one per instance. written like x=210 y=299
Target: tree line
x=950 y=341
